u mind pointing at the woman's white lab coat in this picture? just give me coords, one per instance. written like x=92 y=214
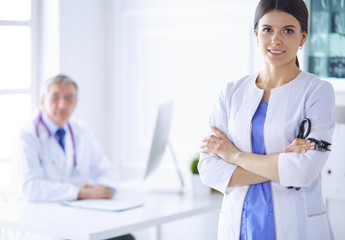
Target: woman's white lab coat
x=46 y=173
x=297 y=214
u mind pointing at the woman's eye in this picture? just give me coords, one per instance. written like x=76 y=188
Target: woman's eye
x=267 y=30
x=288 y=31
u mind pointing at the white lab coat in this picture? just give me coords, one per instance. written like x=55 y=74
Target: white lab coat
x=298 y=214
x=46 y=173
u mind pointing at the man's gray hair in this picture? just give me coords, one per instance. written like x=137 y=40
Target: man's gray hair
x=57 y=79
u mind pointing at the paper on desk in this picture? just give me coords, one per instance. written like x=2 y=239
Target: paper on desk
x=114 y=205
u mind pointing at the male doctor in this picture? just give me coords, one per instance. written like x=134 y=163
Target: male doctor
x=58 y=158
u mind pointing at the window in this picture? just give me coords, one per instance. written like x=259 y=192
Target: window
x=17 y=61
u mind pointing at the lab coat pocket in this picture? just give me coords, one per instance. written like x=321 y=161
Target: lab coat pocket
x=318 y=227
x=47 y=159
x=52 y=163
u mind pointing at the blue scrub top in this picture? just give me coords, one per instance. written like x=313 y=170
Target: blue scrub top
x=257 y=215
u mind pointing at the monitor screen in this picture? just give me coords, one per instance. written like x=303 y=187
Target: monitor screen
x=160 y=137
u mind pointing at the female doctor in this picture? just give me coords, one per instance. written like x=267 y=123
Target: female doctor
x=271 y=187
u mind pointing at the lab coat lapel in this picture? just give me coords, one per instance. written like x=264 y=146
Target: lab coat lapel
x=241 y=125
x=52 y=158
x=68 y=156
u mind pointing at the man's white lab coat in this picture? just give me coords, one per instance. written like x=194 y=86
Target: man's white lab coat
x=46 y=173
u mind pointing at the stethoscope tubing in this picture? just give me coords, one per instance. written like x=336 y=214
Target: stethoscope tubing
x=305 y=133
x=302 y=133
x=40 y=121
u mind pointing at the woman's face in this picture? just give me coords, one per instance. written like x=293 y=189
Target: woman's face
x=279 y=36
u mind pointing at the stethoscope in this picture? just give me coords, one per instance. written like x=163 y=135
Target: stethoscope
x=323 y=145
x=304 y=133
x=40 y=121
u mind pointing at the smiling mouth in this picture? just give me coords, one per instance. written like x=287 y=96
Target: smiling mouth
x=275 y=51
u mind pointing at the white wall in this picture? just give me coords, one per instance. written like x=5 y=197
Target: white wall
x=83 y=55
x=185 y=51
x=113 y=48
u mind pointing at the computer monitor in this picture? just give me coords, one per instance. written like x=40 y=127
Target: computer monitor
x=160 y=141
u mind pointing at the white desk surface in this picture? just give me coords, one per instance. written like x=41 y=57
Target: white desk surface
x=60 y=221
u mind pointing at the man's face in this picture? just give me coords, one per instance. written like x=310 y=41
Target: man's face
x=59 y=103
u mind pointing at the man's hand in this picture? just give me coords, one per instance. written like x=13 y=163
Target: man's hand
x=95 y=192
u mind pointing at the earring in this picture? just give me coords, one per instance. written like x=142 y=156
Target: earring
x=257 y=44
x=300 y=47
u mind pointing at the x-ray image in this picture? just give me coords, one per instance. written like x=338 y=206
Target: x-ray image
x=336 y=45
x=326 y=44
x=318 y=44
x=319 y=22
x=318 y=66
x=336 y=67
x=338 y=22
x=337 y=5
x=319 y=5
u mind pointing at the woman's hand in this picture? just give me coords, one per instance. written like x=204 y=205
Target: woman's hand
x=220 y=145
x=300 y=145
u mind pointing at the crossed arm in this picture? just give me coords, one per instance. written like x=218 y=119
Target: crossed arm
x=252 y=168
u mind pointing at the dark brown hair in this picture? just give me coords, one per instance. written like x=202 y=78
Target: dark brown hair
x=296 y=8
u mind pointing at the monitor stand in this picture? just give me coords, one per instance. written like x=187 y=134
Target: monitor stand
x=178 y=170
x=169 y=189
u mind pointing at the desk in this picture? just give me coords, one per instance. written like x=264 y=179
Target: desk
x=60 y=221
